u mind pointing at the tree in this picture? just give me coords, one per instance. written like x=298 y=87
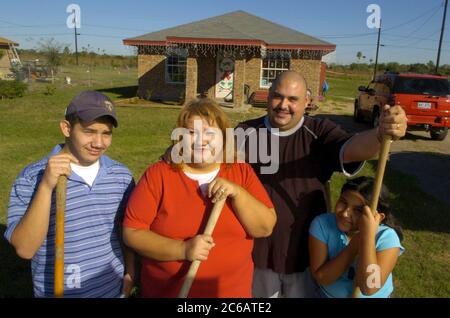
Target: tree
x=393 y=67
x=359 y=55
x=431 y=66
x=51 y=50
x=66 y=51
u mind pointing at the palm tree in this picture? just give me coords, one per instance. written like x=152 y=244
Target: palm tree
x=359 y=55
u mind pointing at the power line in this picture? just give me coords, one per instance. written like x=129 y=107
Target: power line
x=40 y=34
x=112 y=27
x=425 y=38
x=105 y=36
x=406 y=43
x=15 y=25
x=413 y=19
x=434 y=10
x=356 y=35
x=32 y=26
x=421 y=26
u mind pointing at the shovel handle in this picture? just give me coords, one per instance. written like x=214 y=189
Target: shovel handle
x=193 y=268
x=382 y=159
x=61 y=188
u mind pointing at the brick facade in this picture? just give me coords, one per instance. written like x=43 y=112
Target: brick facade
x=201 y=77
x=253 y=73
x=310 y=69
x=152 y=79
x=5 y=64
x=191 y=78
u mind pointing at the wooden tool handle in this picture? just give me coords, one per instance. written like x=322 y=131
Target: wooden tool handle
x=382 y=159
x=61 y=188
x=193 y=268
x=384 y=153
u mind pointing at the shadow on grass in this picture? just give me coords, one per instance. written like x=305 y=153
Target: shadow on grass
x=15 y=273
x=413 y=208
x=420 y=182
x=121 y=92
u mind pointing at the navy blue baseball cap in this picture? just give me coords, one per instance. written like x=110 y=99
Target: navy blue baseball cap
x=90 y=105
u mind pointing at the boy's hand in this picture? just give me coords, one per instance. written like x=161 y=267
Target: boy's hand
x=57 y=165
x=128 y=283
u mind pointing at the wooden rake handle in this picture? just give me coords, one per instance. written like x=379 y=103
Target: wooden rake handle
x=61 y=188
x=384 y=154
x=382 y=159
x=193 y=268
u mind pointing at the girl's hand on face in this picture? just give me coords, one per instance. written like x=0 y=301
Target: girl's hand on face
x=368 y=222
x=221 y=188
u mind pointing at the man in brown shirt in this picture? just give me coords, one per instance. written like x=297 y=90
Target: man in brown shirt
x=309 y=151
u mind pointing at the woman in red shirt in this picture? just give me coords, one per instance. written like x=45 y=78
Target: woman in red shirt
x=170 y=206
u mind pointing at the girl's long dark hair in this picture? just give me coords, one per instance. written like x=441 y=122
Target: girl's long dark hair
x=364 y=186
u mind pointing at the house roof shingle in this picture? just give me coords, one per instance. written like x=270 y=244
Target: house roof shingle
x=237 y=27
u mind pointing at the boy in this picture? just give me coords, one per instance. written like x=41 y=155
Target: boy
x=97 y=190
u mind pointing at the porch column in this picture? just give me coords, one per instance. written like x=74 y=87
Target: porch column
x=239 y=81
x=191 y=78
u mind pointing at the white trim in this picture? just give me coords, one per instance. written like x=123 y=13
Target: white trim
x=277 y=132
x=341 y=161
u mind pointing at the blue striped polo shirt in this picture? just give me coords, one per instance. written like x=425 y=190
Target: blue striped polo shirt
x=93 y=261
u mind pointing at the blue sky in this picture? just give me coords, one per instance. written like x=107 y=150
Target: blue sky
x=410 y=28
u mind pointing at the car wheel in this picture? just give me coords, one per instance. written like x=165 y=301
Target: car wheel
x=375 y=117
x=357 y=117
x=438 y=133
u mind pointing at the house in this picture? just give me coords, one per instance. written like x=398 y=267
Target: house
x=8 y=57
x=226 y=57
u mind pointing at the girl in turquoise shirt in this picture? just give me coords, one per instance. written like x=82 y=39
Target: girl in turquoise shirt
x=337 y=239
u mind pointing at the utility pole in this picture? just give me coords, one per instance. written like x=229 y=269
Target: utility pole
x=76 y=34
x=442 y=35
x=376 y=57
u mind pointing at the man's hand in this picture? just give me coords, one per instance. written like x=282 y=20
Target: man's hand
x=392 y=122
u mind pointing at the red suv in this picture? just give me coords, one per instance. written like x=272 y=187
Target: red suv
x=425 y=99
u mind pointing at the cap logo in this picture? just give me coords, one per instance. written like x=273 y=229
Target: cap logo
x=108 y=105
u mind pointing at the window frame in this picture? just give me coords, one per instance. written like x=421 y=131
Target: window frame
x=180 y=54
x=275 y=69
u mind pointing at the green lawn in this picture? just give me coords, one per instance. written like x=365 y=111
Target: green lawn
x=29 y=130
x=344 y=87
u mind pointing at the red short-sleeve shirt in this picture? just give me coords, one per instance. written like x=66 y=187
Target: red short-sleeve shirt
x=171 y=204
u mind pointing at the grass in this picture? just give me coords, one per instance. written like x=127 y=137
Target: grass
x=422 y=271
x=29 y=130
x=344 y=87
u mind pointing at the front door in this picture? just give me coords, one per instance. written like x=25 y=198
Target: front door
x=224 y=77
